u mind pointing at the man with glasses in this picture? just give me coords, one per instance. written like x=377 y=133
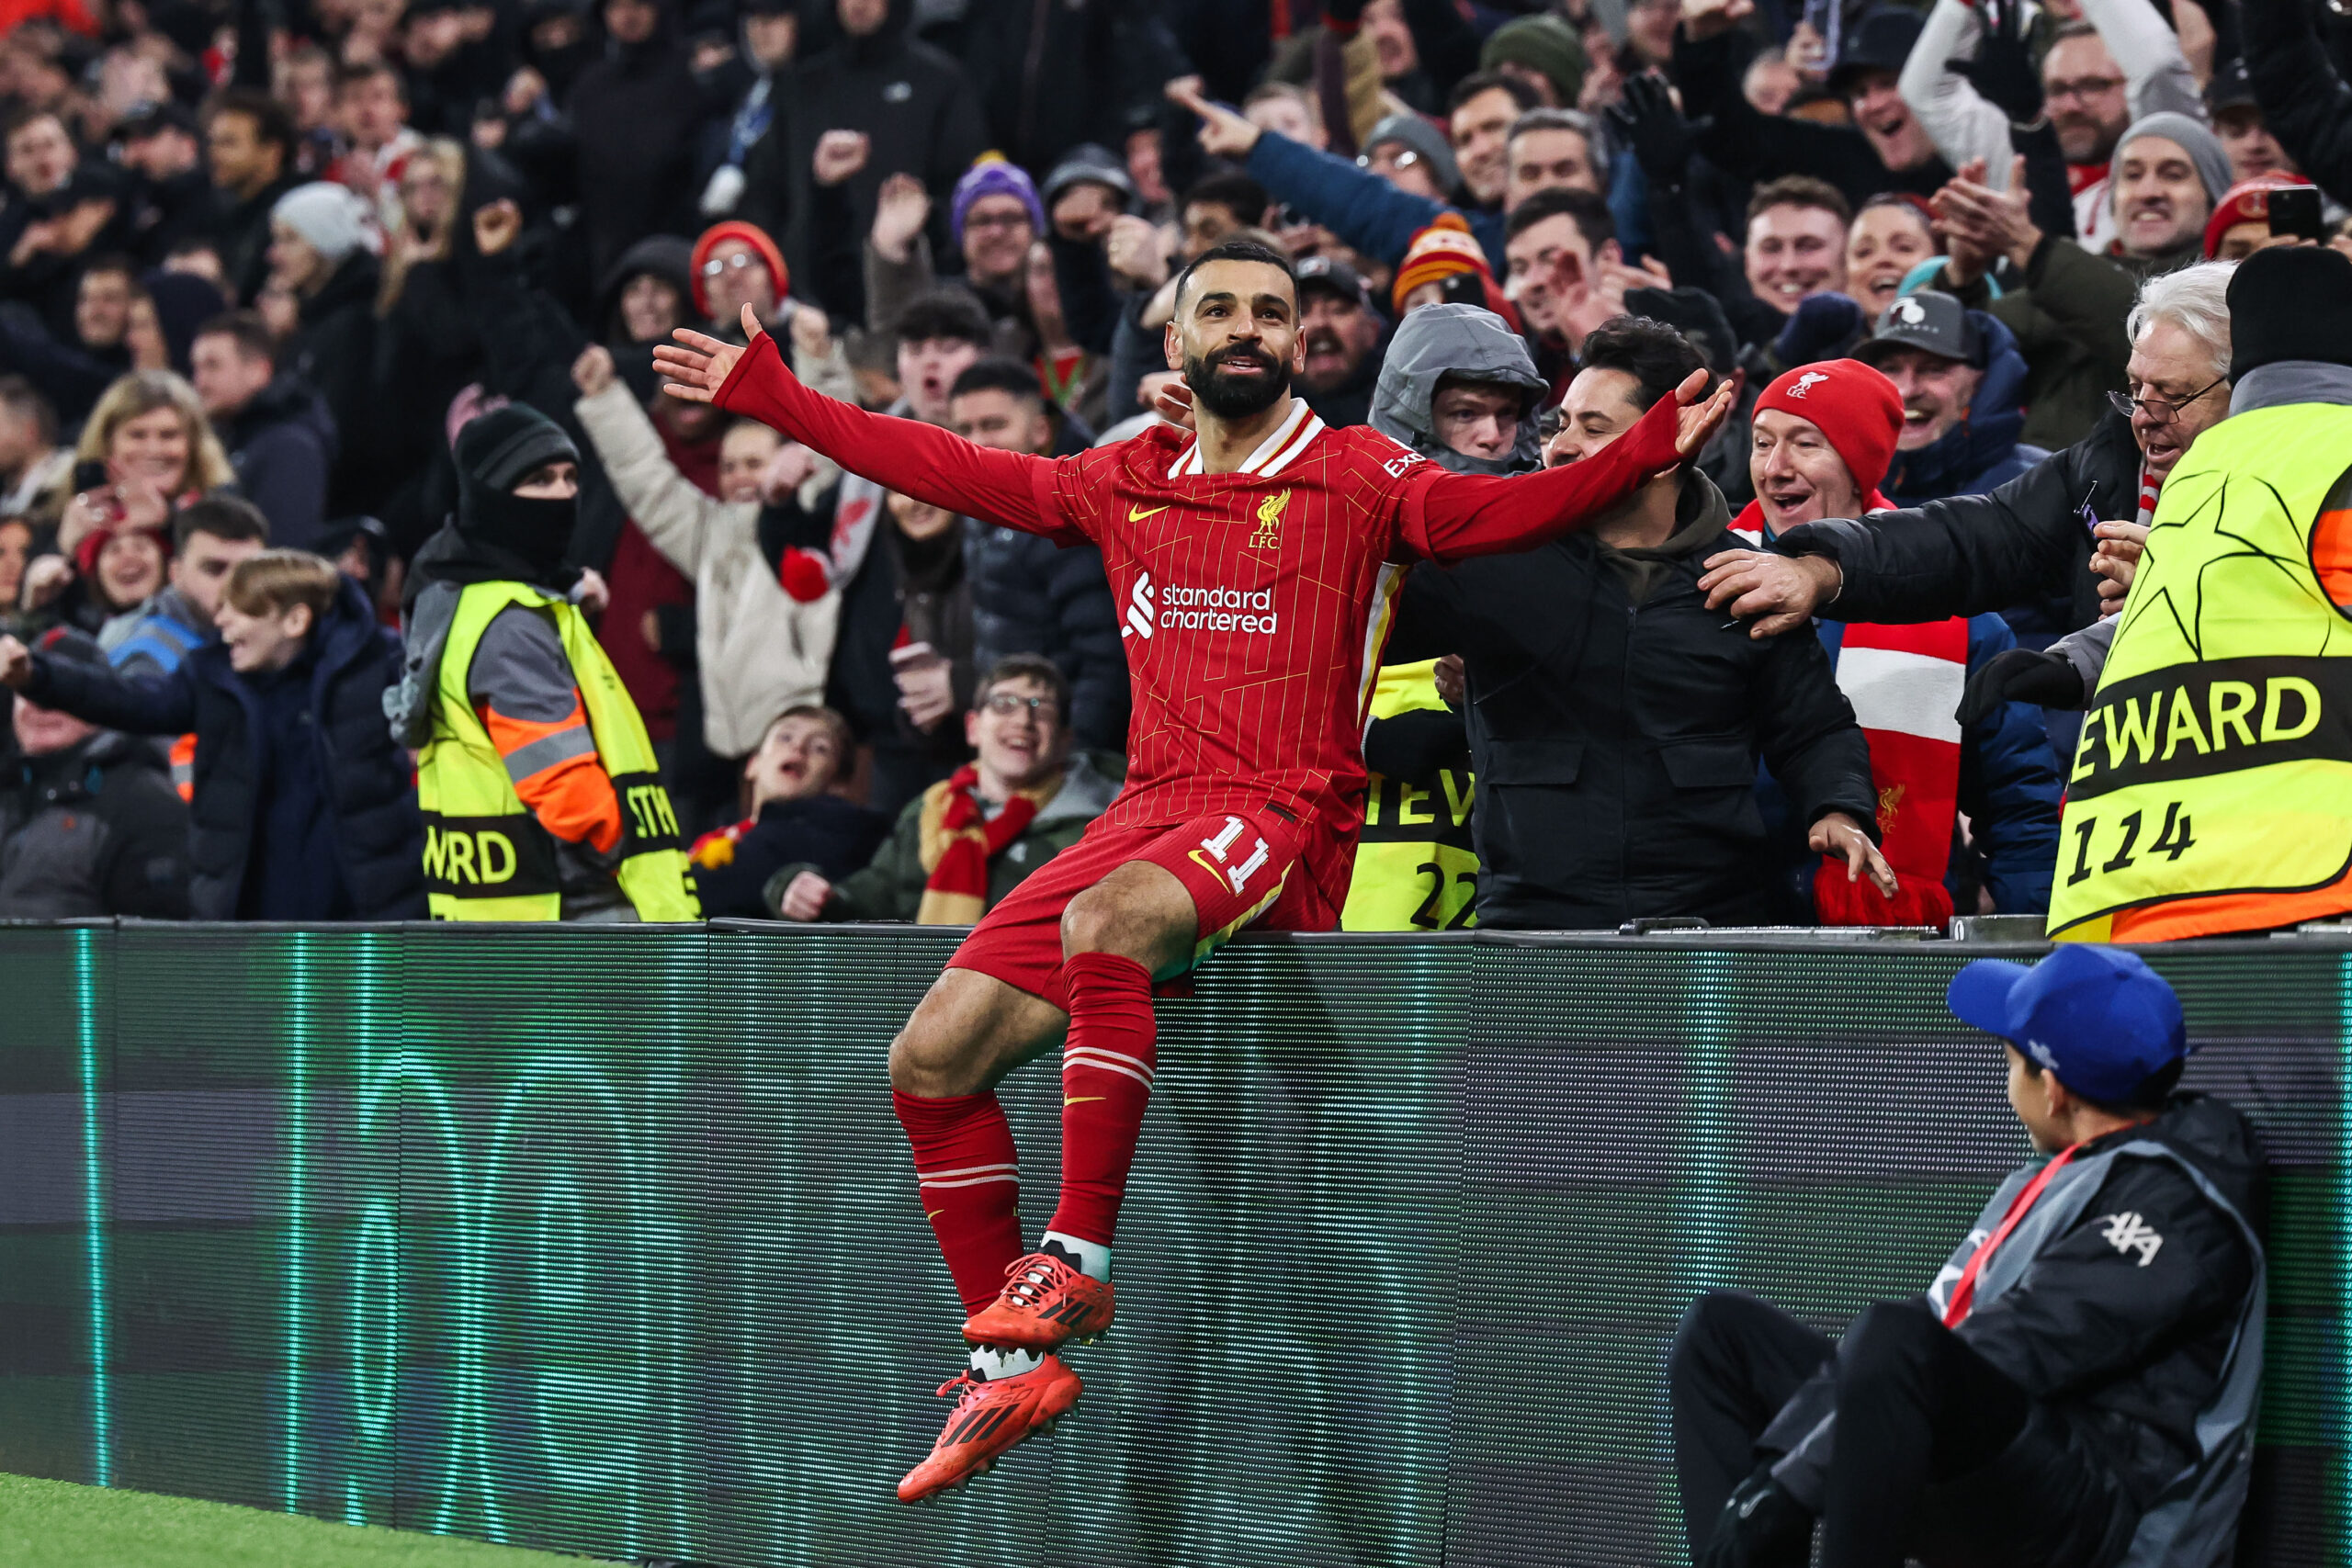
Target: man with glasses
x=2030 y=542
x=970 y=840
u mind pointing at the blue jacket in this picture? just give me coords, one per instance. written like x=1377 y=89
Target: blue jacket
x=353 y=791
x=1982 y=451
x=1366 y=212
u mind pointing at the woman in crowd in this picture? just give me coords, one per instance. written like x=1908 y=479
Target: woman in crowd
x=1890 y=236
x=146 y=450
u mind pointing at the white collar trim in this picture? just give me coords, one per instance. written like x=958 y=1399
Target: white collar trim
x=1272 y=454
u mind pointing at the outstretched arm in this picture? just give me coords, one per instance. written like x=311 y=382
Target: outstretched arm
x=1461 y=515
x=904 y=454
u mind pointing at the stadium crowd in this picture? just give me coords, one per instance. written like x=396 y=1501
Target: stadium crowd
x=316 y=315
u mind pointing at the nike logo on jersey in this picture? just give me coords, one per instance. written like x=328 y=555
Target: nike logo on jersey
x=1136 y=513
x=1068 y=1100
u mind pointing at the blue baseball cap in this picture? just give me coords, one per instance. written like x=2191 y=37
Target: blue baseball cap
x=2098 y=1017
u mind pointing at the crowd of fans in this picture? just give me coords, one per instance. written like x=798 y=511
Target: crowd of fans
x=309 y=308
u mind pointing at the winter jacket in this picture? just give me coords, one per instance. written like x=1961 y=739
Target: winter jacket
x=1050 y=77
x=1749 y=145
x=891 y=887
x=636 y=115
x=2026 y=542
x=49 y=280
x=1030 y=595
x=1615 y=724
x=2305 y=102
x=375 y=837
x=283 y=446
x=2068 y=322
x=333 y=349
x=94 y=829
x=240 y=229
x=760 y=650
x=1464 y=340
x=915 y=104
x=2128 y=1303
x=71 y=377
x=1982 y=450
x=1366 y=212
x=822 y=833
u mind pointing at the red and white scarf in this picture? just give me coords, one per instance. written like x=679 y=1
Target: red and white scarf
x=1905 y=684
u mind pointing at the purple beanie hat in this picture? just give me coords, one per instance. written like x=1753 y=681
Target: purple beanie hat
x=993 y=174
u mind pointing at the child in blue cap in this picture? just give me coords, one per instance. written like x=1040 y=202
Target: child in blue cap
x=2078 y=1385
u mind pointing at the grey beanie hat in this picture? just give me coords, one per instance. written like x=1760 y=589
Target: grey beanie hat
x=2204 y=149
x=1423 y=138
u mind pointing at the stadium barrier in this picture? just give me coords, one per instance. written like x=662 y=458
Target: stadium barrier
x=604 y=1239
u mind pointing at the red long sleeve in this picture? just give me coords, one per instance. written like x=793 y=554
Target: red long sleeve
x=904 y=454
x=1475 y=514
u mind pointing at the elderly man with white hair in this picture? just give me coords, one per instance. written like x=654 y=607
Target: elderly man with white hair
x=2030 y=542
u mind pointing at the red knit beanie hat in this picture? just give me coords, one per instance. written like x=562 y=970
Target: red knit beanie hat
x=751 y=234
x=1855 y=407
x=1443 y=250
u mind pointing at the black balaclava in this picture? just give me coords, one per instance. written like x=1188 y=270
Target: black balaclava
x=494 y=454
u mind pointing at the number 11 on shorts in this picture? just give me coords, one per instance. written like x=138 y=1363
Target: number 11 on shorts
x=1219 y=846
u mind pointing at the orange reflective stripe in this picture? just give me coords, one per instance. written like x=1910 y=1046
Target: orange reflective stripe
x=2331 y=556
x=2220 y=914
x=183 y=756
x=570 y=795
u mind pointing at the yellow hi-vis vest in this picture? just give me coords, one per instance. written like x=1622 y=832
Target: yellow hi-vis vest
x=2212 y=789
x=486 y=857
x=1416 y=868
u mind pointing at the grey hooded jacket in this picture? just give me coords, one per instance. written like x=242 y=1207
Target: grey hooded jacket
x=1469 y=343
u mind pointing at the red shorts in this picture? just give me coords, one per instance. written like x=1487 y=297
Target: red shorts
x=1260 y=867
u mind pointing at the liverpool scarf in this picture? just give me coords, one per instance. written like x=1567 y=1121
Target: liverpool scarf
x=1905 y=684
x=958 y=843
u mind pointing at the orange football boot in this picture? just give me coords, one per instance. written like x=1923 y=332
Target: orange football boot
x=1045 y=1302
x=990 y=1418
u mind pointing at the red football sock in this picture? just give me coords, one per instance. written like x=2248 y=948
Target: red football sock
x=1106 y=1082
x=967 y=1175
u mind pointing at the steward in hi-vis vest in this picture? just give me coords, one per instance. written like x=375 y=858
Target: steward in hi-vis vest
x=541 y=794
x=1416 y=868
x=2212 y=791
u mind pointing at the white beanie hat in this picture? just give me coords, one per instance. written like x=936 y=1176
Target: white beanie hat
x=330 y=217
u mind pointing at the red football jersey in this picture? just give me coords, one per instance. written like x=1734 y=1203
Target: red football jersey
x=1253 y=606
x=1255 y=602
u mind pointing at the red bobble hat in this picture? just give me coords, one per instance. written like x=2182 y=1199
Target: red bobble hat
x=751 y=234
x=1855 y=407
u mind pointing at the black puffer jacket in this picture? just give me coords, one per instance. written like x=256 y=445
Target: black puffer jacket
x=371 y=791
x=96 y=830
x=1029 y=595
x=1615 y=742
x=2121 y=1327
x=333 y=349
x=924 y=121
x=2024 y=549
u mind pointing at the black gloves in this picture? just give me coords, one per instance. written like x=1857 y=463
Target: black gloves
x=1760 y=1527
x=1648 y=122
x=1822 y=327
x=2021 y=675
x=2003 y=70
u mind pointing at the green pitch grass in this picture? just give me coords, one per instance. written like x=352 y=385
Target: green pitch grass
x=55 y=1524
